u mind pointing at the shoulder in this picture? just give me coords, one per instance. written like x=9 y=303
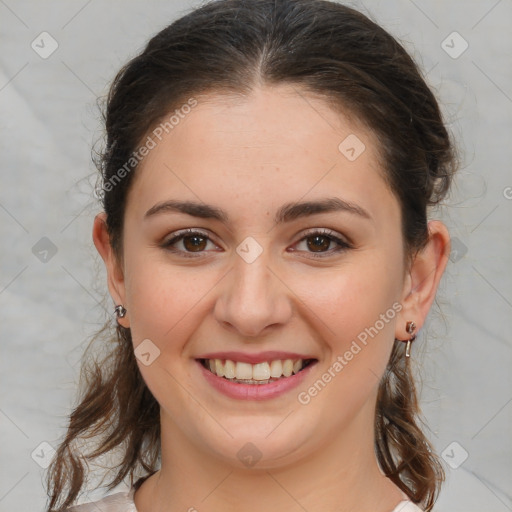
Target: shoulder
x=118 y=502
x=407 y=506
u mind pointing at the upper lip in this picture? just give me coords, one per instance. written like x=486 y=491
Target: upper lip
x=260 y=357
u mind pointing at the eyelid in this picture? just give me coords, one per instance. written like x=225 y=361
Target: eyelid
x=327 y=232
x=183 y=232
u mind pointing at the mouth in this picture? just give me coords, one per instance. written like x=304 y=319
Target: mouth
x=266 y=372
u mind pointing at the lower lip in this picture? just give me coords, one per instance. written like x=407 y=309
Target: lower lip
x=255 y=391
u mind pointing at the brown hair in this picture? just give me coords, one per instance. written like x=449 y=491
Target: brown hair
x=232 y=46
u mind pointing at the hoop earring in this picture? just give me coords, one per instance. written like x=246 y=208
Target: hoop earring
x=120 y=311
x=410 y=327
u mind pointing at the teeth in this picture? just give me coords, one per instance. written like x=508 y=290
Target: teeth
x=229 y=369
x=254 y=373
x=261 y=371
x=276 y=368
x=219 y=368
x=288 y=368
x=242 y=371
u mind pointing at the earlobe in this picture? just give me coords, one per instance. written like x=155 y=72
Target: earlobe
x=115 y=277
x=422 y=280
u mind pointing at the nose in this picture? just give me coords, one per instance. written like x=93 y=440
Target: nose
x=253 y=298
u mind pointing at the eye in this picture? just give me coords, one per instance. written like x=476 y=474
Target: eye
x=319 y=243
x=190 y=240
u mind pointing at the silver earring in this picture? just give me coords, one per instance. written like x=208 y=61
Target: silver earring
x=120 y=311
x=410 y=327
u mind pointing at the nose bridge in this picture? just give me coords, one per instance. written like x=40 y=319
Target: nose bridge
x=252 y=298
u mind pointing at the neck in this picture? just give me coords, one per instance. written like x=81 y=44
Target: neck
x=342 y=475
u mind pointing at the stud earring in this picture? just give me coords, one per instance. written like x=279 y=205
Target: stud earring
x=410 y=327
x=120 y=311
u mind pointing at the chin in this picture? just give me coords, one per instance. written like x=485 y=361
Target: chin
x=261 y=448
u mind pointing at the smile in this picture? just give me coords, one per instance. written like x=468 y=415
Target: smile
x=255 y=374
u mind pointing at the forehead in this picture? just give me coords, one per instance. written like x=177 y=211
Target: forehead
x=277 y=144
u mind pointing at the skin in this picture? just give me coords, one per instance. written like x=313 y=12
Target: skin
x=250 y=156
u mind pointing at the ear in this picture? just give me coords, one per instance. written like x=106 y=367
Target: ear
x=422 y=279
x=115 y=275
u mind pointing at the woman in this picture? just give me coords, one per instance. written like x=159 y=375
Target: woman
x=266 y=179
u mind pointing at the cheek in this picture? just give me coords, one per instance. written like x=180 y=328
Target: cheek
x=161 y=298
x=356 y=308
x=167 y=305
x=158 y=293
x=351 y=299
x=356 y=323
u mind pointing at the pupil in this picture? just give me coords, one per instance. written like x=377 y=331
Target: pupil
x=197 y=244
x=317 y=243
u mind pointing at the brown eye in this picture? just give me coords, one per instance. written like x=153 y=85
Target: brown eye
x=194 y=243
x=189 y=243
x=318 y=243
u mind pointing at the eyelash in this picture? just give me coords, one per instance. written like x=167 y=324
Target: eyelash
x=327 y=233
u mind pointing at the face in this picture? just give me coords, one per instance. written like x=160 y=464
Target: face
x=285 y=246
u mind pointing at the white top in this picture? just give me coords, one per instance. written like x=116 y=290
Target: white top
x=123 y=502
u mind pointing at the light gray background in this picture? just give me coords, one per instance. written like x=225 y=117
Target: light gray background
x=48 y=309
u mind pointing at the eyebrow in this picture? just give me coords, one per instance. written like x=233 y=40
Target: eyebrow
x=287 y=213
